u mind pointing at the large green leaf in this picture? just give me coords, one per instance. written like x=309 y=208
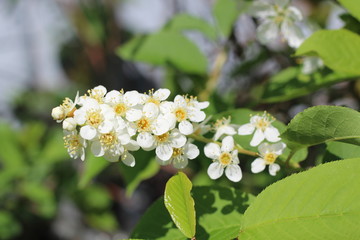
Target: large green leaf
x=339 y=49
x=320 y=124
x=145 y=167
x=183 y=22
x=353 y=6
x=219 y=212
x=242 y=116
x=290 y=83
x=180 y=204
x=226 y=12
x=339 y=150
x=163 y=48
x=322 y=203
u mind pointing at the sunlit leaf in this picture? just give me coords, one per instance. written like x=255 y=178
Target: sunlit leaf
x=352 y=6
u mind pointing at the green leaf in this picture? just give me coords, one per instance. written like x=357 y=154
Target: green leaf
x=339 y=49
x=342 y=150
x=145 y=168
x=317 y=204
x=225 y=13
x=93 y=166
x=9 y=227
x=166 y=47
x=290 y=83
x=219 y=212
x=180 y=204
x=352 y=6
x=182 y=22
x=321 y=124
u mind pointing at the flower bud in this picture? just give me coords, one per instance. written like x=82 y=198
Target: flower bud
x=58 y=113
x=69 y=124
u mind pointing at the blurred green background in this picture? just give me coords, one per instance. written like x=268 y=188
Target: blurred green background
x=50 y=49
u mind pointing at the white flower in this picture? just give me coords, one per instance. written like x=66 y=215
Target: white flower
x=223 y=126
x=224 y=157
x=124 y=104
x=69 y=124
x=94 y=117
x=311 y=64
x=75 y=144
x=264 y=129
x=164 y=143
x=155 y=97
x=127 y=158
x=58 y=113
x=66 y=109
x=180 y=156
x=182 y=110
x=268 y=155
x=278 y=17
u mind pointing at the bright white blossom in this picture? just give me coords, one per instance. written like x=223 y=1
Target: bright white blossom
x=277 y=17
x=74 y=144
x=268 y=155
x=223 y=127
x=180 y=156
x=224 y=157
x=66 y=109
x=155 y=97
x=263 y=129
x=69 y=124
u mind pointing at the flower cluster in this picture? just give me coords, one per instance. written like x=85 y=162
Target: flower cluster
x=115 y=123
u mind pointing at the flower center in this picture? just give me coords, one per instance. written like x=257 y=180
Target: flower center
x=72 y=143
x=108 y=140
x=177 y=152
x=270 y=158
x=180 y=114
x=262 y=124
x=153 y=100
x=120 y=109
x=225 y=158
x=143 y=124
x=94 y=118
x=162 y=138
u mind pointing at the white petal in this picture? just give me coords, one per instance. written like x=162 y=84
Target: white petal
x=258 y=165
x=180 y=101
x=164 y=151
x=292 y=34
x=267 y=32
x=131 y=98
x=161 y=94
x=215 y=170
x=150 y=110
x=124 y=138
x=212 y=150
x=112 y=97
x=161 y=162
x=233 y=173
x=128 y=159
x=294 y=14
x=101 y=89
x=278 y=148
x=145 y=140
x=180 y=162
x=227 y=144
x=257 y=138
x=166 y=107
x=160 y=126
x=195 y=115
x=186 y=127
x=111 y=157
x=96 y=149
x=264 y=148
x=202 y=105
x=192 y=151
x=272 y=134
x=132 y=146
x=106 y=126
x=87 y=132
x=177 y=140
x=274 y=168
x=235 y=158
x=246 y=129
x=79 y=116
x=133 y=115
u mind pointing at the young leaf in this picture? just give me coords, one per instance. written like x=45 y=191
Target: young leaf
x=290 y=83
x=180 y=204
x=165 y=47
x=352 y=6
x=317 y=204
x=183 y=22
x=340 y=150
x=320 y=124
x=219 y=212
x=226 y=12
x=339 y=49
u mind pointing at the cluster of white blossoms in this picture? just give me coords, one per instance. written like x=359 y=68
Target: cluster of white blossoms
x=115 y=123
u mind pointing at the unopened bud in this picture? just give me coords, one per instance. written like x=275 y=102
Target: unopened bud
x=69 y=124
x=58 y=113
